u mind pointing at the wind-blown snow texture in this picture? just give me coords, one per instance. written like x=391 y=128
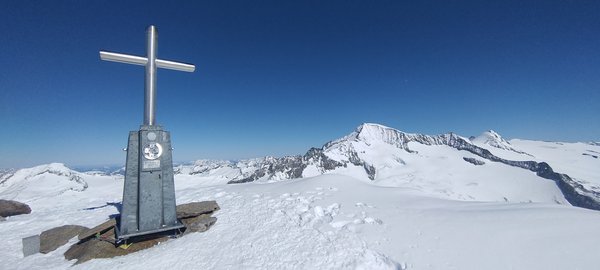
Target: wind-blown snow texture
x=378 y=198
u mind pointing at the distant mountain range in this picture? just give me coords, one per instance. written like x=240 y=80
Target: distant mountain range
x=377 y=152
x=483 y=168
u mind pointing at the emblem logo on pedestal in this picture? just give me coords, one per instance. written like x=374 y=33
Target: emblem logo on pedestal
x=153 y=151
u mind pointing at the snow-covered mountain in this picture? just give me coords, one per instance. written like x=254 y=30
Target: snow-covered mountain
x=446 y=165
x=485 y=168
x=46 y=180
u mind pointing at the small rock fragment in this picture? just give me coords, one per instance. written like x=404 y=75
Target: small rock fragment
x=201 y=224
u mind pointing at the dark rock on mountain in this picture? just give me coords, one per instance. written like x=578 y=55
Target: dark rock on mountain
x=474 y=161
x=291 y=167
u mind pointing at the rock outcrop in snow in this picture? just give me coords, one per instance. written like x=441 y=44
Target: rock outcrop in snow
x=12 y=208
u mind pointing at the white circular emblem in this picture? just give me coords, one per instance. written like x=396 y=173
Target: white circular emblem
x=153 y=151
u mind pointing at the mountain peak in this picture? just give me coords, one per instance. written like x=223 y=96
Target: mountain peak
x=493 y=133
x=492 y=138
x=371 y=126
x=371 y=130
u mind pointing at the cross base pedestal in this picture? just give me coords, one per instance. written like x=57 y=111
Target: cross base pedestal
x=148 y=205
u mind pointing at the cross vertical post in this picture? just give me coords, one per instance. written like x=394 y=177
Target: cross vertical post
x=150 y=82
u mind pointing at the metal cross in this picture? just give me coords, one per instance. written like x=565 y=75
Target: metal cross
x=151 y=63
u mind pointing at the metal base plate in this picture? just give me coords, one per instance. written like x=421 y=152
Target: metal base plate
x=120 y=237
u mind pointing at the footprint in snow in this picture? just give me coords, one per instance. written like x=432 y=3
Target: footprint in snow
x=360 y=204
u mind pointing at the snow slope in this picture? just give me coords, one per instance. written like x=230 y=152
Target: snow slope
x=328 y=222
x=575 y=159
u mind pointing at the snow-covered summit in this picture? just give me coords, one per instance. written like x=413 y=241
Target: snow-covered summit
x=53 y=178
x=370 y=134
x=376 y=133
x=493 y=139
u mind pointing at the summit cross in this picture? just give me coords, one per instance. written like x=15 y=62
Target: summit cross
x=148 y=205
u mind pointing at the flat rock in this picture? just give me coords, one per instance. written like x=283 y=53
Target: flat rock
x=109 y=224
x=95 y=248
x=12 y=208
x=194 y=209
x=52 y=239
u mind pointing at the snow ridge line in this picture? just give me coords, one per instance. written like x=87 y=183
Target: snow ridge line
x=575 y=193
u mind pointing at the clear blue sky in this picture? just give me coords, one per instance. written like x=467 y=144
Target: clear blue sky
x=278 y=77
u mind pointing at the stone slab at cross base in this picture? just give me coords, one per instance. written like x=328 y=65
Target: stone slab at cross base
x=94 y=248
x=54 y=238
x=197 y=219
x=195 y=209
x=100 y=229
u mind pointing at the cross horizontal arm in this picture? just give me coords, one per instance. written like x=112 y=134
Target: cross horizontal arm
x=142 y=61
x=123 y=58
x=166 y=64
